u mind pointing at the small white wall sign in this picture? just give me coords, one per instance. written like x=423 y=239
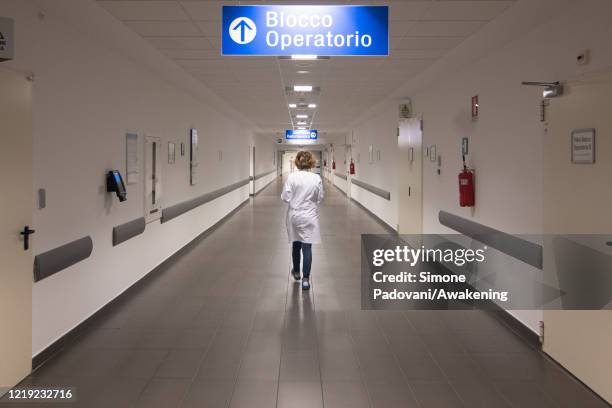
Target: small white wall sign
x=131 y=158
x=583 y=146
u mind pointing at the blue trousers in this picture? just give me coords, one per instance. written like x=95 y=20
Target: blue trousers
x=306 y=250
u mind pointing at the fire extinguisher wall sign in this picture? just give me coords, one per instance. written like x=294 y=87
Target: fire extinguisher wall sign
x=467 y=196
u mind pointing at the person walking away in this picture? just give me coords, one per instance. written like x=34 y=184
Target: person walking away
x=303 y=191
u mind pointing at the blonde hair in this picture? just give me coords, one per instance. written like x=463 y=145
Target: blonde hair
x=305 y=160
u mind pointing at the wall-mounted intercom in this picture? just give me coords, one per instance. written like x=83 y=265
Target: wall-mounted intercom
x=115 y=184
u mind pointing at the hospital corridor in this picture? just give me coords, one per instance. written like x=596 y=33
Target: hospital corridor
x=305 y=204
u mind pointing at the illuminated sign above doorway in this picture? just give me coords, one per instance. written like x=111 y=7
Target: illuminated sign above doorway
x=301 y=134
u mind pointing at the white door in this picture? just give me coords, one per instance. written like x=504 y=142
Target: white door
x=578 y=200
x=409 y=143
x=16 y=208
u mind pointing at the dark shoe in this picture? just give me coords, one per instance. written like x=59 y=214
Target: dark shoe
x=305 y=284
x=296 y=274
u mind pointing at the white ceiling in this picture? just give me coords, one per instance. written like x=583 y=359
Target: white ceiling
x=421 y=31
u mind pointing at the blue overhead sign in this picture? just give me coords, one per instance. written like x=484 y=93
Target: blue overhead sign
x=305 y=30
x=301 y=134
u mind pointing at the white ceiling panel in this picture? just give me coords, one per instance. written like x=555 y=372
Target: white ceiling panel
x=444 y=28
x=177 y=53
x=416 y=54
x=466 y=10
x=209 y=28
x=204 y=10
x=399 y=28
x=408 y=10
x=164 y=28
x=145 y=10
x=425 y=43
x=215 y=41
x=210 y=9
x=181 y=43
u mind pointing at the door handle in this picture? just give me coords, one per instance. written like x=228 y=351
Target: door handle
x=26 y=237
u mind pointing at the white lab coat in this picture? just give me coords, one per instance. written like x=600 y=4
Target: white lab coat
x=303 y=191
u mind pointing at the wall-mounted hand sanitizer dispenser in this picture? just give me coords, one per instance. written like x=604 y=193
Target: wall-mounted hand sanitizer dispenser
x=115 y=184
x=7 y=38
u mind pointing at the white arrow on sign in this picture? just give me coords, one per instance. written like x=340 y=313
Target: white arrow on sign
x=242 y=30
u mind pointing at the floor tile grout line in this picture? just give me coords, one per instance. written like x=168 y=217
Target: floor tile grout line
x=204 y=355
x=399 y=366
x=237 y=374
x=280 y=362
x=314 y=309
x=431 y=355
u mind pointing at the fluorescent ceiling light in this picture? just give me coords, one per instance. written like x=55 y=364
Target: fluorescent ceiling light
x=301 y=116
x=302 y=123
x=302 y=72
x=293 y=105
x=301 y=128
x=302 y=88
x=304 y=57
x=312 y=105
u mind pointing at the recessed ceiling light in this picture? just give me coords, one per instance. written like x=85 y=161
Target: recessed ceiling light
x=293 y=105
x=302 y=123
x=301 y=128
x=312 y=105
x=301 y=116
x=302 y=88
x=304 y=57
x=302 y=72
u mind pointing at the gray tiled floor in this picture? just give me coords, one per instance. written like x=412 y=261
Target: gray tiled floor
x=224 y=326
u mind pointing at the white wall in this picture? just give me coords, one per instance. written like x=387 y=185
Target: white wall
x=506 y=142
x=265 y=160
x=87 y=94
x=380 y=132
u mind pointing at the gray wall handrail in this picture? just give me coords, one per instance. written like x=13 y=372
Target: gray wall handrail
x=264 y=174
x=54 y=260
x=516 y=247
x=372 y=189
x=128 y=230
x=342 y=176
x=174 y=211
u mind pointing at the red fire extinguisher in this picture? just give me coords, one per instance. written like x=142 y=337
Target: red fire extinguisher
x=352 y=167
x=333 y=164
x=467 y=194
